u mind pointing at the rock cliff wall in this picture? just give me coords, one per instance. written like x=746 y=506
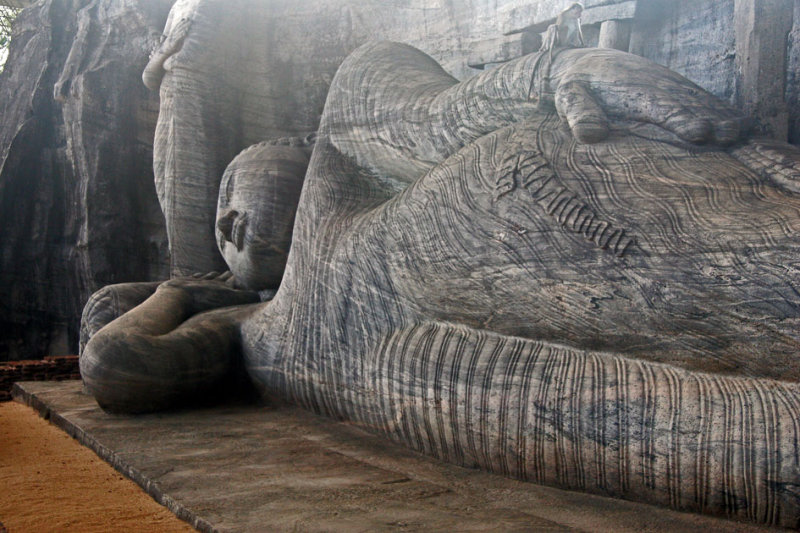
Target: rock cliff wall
x=77 y=202
x=693 y=37
x=793 y=79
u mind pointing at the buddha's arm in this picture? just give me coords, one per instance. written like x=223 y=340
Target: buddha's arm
x=588 y=86
x=180 y=342
x=395 y=110
x=592 y=85
x=398 y=112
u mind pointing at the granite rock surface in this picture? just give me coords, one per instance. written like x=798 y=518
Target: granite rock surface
x=77 y=200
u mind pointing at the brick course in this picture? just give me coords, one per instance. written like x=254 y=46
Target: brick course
x=56 y=368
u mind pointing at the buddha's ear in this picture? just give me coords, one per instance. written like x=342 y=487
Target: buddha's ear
x=225 y=224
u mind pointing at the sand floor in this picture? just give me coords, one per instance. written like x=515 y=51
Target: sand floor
x=49 y=482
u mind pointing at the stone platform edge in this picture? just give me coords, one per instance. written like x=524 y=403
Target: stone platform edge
x=21 y=395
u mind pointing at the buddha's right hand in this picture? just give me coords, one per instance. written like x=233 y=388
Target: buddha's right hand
x=202 y=292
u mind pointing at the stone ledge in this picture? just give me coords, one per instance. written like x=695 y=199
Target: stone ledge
x=252 y=468
x=592 y=14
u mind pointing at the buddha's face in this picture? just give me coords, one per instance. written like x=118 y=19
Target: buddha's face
x=255 y=213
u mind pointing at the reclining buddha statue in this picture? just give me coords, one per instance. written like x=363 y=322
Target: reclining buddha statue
x=571 y=269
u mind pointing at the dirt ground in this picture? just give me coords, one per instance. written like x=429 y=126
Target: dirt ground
x=49 y=482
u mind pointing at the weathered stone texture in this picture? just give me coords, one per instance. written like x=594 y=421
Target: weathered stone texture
x=762 y=29
x=651 y=250
x=32 y=197
x=77 y=202
x=793 y=78
x=692 y=37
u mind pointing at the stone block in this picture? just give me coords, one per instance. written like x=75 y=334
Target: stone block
x=615 y=34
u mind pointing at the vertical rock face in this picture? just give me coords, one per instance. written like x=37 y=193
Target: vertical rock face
x=693 y=37
x=77 y=205
x=762 y=36
x=793 y=78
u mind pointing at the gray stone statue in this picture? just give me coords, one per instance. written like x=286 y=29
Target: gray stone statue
x=224 y=84
x=568 y=269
